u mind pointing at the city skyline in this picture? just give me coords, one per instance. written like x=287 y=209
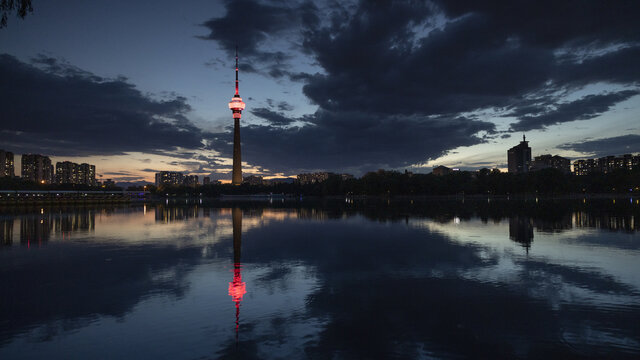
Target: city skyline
x=341 y=89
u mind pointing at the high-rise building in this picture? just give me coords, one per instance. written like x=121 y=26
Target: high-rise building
x=169 y=178
x=519 y=157
x=37 y=168
x=555 y=162
x=190 y=180
x=584 y=167
x=6 y=164
x=206 y=180
x=68 y=172
x=236 y=105
x=87 y=174
x=606 y=164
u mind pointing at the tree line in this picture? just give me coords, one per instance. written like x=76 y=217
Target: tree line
x=395 y=183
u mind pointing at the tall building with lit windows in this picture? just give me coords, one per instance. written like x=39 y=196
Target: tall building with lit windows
x=6 y=164
x=68 y=172
x=606 y=164
x=519 y=157
x=37 y=168
x=87 y=174
x=169 y=178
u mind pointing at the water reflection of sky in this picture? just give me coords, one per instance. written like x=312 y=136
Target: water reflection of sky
x=320 y=282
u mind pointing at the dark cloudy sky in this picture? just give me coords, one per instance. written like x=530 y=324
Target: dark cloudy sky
x=136 y=87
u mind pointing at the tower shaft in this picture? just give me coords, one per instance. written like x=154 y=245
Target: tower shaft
x=237 y=154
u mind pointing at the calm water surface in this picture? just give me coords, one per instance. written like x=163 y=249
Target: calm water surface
x=339 y=279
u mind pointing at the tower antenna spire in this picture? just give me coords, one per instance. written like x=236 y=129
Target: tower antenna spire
x=237 y=93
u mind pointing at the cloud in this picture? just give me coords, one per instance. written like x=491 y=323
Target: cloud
x=355 y=141
x=553 y=24
x=258 y=24
x=616 y=145
x=284 y=106
x=61 y=110
x=478 y=56
x=392 y=74
x=272 y=117
x=585 y=108
x=394 y=83
x=116 y=173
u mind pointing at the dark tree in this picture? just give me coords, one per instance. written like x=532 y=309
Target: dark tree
x=21 y=7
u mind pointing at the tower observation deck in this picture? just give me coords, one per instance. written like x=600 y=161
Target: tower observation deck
x=236 y=105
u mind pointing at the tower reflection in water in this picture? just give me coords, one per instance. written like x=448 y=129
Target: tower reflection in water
x=237 y=288
x=521 y=230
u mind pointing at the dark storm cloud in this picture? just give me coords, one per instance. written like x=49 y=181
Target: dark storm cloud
x=615 y=66
x=617 y=145
x=585 y=108
x=255 y=22
x=394 y=82
x=552 y=24
x=355 y=141
x=389 y=72
x=272 y=117
x=254 y=28
x=375 y=61
x=59 y=109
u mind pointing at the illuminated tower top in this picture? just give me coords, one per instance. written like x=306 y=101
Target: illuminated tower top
x=236 y=104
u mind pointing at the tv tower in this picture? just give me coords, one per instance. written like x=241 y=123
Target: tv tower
x=236 y=105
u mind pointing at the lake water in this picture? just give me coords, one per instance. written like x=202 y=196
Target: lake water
x=337 y=279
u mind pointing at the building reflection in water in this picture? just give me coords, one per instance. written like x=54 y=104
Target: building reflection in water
x=6 y=231
x=35 y=229
x=521 y=230
x=172 y=213
x=553 y=225
x=605 y=221
x=237 y=288
x=38 y=227
x=77 y=221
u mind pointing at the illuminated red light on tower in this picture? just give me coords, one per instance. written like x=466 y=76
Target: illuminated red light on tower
x=236 y=104
x=237 y=288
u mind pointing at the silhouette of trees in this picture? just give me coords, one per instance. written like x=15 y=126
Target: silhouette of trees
x=21 y=7
x=395 y=183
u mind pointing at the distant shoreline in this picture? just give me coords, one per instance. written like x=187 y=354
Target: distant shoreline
x=26 y=197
